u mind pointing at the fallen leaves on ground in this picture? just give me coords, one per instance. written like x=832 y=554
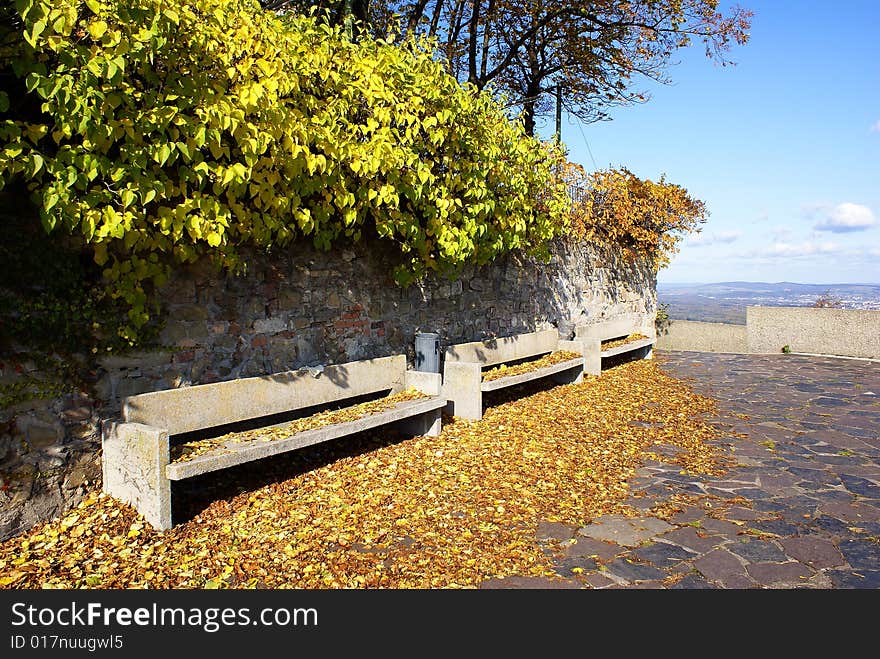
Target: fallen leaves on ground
x=607 y=345
x=189 y=450
x=504 y=371
x=367 y=512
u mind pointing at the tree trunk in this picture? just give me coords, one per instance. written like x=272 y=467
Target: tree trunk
x=435 y=18
x=472 y=43
x=530 y=106
x=533 y=94
x=360 y=9
x=489 y=11
x=415 y=16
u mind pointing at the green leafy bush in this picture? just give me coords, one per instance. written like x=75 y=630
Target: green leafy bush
x=162 y=131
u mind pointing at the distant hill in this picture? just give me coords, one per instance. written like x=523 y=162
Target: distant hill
x=726 y=302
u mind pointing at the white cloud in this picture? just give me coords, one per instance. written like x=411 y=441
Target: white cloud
x=875 y=127
x=845 y=218
x=782 y=249
x=781 y=232
x=719 y=237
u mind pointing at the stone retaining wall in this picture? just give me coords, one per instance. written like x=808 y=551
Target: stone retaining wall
x=300 y=308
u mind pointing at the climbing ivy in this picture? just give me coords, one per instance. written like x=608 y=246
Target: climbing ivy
x=163 y=131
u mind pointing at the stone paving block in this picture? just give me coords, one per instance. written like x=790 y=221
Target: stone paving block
x=689 y=488
x=774 y=574
x=792 y=449
x=738 y=582
x=776 y=527
x=742 y=514
x=597 y=580
x=870 y=471
x=861 y=486
x=768 y=506
x=689 y=538
x=719 y=565
x=752 y=493
x=838 y=439
x=813 y=475
x=828 y=401
x=794 y=508
x=633 y=571
x=773 y=481
x=646 y=585
x=554 y=531
x=758 y=551
x=851 y=512
x=662 y=554
x=834 y=463
x=746 y=461
x=692 y=582
x=626 y=531
x=861 y=554
x=839 y=460
x=594 y=548
x=642 y=504
x=867 y=528
x=866 y=435
x=830 y=525
x=569 y=567
x=849 y=579
x=659 y=492
x=529 y=583
x=688 y=515
x=814 y=551
x=722 y=527
x=841 y=494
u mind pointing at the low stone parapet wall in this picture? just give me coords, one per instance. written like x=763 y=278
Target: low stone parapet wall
x=703 y=337
x=768 y=330
x=845 y=332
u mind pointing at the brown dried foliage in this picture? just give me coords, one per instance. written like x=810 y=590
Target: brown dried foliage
x=426 y=512
x=622 y=342
x=504 y=371
x=189 y=450
x=647 y=220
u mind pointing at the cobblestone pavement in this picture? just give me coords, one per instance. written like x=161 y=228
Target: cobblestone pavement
x=799 y=508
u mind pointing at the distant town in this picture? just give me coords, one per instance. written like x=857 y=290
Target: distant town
x=726 y=302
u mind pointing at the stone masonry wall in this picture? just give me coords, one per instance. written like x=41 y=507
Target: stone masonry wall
x=292 y=310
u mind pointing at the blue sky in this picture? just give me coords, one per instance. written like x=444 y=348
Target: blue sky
x=784 y=147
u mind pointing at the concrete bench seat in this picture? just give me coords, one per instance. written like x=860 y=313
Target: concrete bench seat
x=619 y=328
x=137 y=465
x=230 y=453
x=463 y=364
x=543 y=372
x=632 y=346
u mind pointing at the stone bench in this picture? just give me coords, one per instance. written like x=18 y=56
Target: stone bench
x=618 y=328
x=463 y=365
x=137 y=463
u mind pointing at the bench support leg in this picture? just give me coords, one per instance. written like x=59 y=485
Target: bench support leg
x=133 y=465
x=572 y=376
x=591 y=349
x=461 y=387
x=428 y=424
